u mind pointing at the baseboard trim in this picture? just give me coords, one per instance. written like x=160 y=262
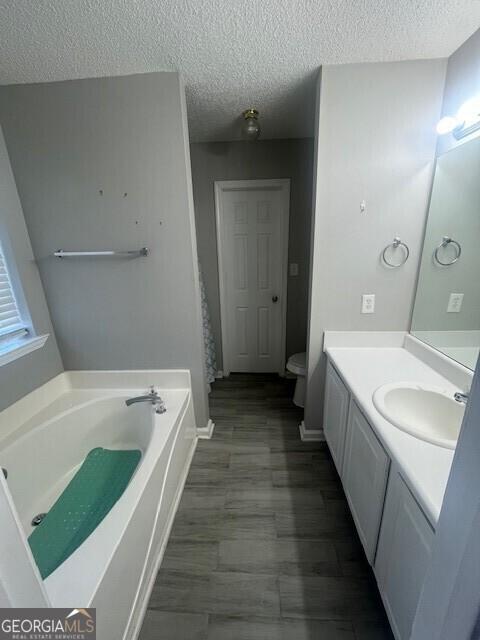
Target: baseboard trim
x=142 y=606
x=310 y=435
x=205 y=433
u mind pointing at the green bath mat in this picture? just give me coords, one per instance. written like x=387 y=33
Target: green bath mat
x=87 y=499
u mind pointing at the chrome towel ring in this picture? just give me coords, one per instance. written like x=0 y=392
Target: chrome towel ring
x=446 y=240
x=394 y=245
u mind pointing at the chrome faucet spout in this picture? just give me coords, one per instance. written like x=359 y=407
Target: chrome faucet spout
x=149 y=398
x=153 y=398
x=461 y=397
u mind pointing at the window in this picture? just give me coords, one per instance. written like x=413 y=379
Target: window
x=17 y=337
x=11 y=325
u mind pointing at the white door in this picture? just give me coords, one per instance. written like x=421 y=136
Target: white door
x=252 y=235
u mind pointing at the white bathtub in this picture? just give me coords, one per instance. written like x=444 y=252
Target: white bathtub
x=114 y=568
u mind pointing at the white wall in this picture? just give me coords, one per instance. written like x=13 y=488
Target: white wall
x=375 y=142
x=292 y=158
x=69 y=141
x=21 y=376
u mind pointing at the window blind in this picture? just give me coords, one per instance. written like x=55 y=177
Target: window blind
x=10 y=319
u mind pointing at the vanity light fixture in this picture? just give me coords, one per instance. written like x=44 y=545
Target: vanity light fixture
x=465 y=122
x=447 y=125
x=250 y=125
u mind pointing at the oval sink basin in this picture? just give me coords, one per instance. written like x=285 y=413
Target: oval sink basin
x=427 y=413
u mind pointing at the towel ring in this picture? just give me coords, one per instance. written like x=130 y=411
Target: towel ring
x=446 y=240
x=394 y=245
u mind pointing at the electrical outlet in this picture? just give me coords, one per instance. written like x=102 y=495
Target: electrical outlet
x=455 y=303
x=293 y=269
x=368 y=303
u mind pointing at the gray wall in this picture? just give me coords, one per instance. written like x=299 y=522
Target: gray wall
x=25 y=374
x=375 y=142
x=122 y=135
x=462 y=82
x=265 y=159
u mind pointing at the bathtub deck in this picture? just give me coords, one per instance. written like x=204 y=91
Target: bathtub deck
x=263 y=546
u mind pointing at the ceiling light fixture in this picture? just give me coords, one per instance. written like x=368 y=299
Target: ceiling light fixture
x=465 y=122
x=250 y=125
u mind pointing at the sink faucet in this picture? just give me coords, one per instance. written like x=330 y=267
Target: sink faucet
x=461 y=397
x=152 y=397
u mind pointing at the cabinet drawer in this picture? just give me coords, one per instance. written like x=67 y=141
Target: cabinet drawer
x=365 y=474
x=335 y=414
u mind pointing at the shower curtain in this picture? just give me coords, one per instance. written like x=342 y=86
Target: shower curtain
x=209 y=343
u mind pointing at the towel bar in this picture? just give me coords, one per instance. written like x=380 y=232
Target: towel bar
x=83 y=254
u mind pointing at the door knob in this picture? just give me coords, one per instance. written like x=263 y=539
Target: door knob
x=274 y=298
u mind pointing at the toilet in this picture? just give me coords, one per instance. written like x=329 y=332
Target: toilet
x=297 y=364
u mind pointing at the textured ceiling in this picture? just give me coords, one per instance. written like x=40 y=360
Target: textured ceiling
x=232 y=54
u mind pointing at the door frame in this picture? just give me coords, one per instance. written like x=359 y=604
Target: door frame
x=277 y=184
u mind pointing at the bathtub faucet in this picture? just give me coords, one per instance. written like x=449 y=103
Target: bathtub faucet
x=152 y=397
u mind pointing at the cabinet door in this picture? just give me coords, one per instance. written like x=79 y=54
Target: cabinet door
x=365 y=471
x=335 y=415
x=403 y=555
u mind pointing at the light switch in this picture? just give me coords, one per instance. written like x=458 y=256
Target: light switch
x=455 y=303
x=368 y=303
x=293 y=269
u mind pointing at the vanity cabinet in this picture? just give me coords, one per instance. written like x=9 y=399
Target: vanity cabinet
x=365 y=474
x=403 y=555
x=396 y=535
x=336 y=403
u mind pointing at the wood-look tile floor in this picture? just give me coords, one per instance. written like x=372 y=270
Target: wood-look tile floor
x=263 y=546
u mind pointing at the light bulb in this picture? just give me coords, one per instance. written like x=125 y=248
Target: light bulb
x=250 y=126
x=447 y=125
x=469 y=111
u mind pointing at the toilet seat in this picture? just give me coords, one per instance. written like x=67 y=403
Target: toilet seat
x=297 y=363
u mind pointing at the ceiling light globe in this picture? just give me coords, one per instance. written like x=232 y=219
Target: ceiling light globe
x=250 y=125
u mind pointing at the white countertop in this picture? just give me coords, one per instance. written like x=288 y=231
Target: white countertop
x=425 y=467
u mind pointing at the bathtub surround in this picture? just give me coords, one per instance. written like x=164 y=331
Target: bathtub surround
x=44 y=437
x=375 y=142
x=21 y=376
x=104 y=164
x=264 y=159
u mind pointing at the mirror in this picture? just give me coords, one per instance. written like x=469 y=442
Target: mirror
x=446 y=314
